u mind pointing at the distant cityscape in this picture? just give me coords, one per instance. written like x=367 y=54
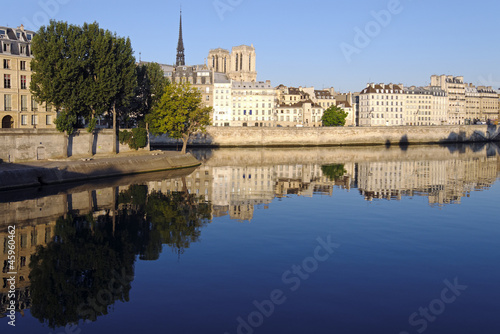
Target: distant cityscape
x=228 y=83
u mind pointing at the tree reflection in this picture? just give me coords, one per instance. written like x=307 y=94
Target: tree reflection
x=90 y=263
x=334 y=171
x=178 y=217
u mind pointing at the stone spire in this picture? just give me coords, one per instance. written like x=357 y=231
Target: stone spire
x=180 y=46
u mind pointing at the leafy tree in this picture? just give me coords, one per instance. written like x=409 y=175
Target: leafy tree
x=87 y=71
x=57 y=69
x=179 y=113
x=151 y=82
x=334 y=116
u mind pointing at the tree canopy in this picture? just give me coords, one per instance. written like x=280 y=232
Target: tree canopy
x=151 y=83
x=179 y=113
x=334 y=116
x=84 y=71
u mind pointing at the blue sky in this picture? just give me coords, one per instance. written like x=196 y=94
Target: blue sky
x=299 y=42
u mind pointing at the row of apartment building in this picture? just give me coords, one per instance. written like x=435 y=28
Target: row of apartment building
x=448 y=100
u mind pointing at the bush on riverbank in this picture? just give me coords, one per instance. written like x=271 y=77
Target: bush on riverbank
x=136 y=138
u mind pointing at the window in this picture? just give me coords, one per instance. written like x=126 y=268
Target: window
x=22 y=65
x=22 y=49
x=7 y=99
x=23 y=82
x=48 y=107
x=34 y=104
x=34 y=119
x=6 y=81
x=6 y=47
x=24 y=103
x=6 y=63
x=24 y=120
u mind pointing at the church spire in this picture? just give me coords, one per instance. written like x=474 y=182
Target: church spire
x=180 y=46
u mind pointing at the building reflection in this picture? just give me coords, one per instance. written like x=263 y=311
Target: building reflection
x=442 y=182
x=234 y=184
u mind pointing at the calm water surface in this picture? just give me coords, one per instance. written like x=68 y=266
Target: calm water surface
x=328 y=240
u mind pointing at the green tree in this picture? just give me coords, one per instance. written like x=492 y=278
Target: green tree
x=87 y=71
x=179 y=113
x=57 y=68
x=334 y=116
x=151 y=82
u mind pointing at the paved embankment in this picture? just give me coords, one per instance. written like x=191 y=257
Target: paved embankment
x=69 y=170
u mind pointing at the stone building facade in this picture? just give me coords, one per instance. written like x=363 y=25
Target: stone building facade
x=425 y=106
x=455 y=89
x=18 y=108
x=253 y=104
x=238 y=65
x=382 y=105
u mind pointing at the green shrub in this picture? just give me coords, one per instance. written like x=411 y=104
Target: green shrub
x=136 y=139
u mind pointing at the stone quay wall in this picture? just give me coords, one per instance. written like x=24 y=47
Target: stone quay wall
x=18 y=145
x=36 y=174
x=334 y=136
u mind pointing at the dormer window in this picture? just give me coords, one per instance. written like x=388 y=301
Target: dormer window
x=6 y=47
x=29 y=36
x=2 y=32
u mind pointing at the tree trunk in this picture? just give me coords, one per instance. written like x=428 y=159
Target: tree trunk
x=185 y=139
x=115 y=146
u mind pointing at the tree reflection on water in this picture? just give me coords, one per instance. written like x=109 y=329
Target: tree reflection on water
x=89 y=265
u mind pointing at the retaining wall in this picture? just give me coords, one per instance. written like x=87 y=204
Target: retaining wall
x=335 y=136
x=17 y=145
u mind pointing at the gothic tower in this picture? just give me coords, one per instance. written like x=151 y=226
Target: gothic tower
x=180 y=46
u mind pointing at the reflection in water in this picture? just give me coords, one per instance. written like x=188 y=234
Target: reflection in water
x=87 y=263
x=83 y=241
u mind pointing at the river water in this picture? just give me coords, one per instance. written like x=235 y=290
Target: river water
x=318 y=240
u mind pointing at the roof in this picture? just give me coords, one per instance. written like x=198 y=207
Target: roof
x=345 y=103
x=17 y=38
x=299 y=104
x=221 y=78
x=372 y=88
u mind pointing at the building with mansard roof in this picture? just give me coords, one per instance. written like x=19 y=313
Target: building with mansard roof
x=18 y=108
x=381 y=105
